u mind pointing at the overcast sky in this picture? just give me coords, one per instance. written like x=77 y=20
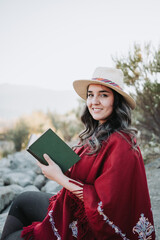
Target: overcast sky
x=50 y=43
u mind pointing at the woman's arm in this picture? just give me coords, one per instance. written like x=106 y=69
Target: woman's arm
x=54 y=172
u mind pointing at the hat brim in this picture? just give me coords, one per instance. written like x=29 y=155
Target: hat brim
x=80 y=86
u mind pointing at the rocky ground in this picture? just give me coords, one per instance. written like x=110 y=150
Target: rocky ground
x=19 y=173
x=153 y=178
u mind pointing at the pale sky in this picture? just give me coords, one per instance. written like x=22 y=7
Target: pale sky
x=50 y=43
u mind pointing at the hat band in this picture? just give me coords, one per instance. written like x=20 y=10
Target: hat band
x=107 y=81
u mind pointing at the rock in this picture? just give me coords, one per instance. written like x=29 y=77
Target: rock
x=17 y=177
x=7 y=194
x=51 y=187
x=5 y=163
x=153 y=165
x=16 y=189
x=30 y=188
x=4 y=170
x=20 y=160
x=39 y=181
x=3 y=217
x=1 y=182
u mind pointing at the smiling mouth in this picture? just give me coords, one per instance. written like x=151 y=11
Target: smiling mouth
x=96 y=109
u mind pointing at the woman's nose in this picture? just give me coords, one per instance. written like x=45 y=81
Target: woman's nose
x=95 y=100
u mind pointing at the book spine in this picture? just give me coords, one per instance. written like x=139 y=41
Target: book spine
x=39 y=159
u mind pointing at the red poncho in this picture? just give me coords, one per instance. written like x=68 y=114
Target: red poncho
x=116 y=200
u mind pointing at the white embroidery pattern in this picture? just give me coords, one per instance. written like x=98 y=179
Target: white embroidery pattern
x=106 y=219
x=53 y=225
x=144 y=228
x=74 y=228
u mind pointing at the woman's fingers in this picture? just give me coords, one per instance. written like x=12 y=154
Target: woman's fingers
x=52 y=170
x=47 y=158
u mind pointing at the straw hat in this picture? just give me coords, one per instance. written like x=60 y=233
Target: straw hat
x=109 y=77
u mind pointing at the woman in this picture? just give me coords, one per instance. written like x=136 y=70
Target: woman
x=105 y=194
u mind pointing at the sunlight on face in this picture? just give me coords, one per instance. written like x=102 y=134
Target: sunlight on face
x=100 y=101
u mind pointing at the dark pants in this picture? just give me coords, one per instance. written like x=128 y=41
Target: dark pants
x=28 y=207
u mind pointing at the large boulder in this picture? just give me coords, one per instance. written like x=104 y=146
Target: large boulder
x=17 y=177
x=7 y=194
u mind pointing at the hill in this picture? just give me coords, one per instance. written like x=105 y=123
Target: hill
x=16 y=100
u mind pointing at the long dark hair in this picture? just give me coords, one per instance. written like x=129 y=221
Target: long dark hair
x=119 y=121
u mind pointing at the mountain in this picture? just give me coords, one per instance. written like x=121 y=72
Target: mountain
x=16 y=100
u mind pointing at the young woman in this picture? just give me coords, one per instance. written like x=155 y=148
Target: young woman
x=104 y=195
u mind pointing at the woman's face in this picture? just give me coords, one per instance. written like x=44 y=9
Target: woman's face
x=100 y=101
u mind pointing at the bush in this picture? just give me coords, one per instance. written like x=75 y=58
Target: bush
x=19 y=134
x=141 y=68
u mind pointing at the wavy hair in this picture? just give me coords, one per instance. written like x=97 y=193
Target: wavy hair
x=119 y=121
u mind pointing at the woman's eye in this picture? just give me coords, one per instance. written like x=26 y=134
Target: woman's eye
x=89 y=95
x=104 y=95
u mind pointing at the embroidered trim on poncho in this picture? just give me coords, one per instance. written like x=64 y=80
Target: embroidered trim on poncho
x=74 y=228
x=144 y=228
x=53 y=225
x=111 y=224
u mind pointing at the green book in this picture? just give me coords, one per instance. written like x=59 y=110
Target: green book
x=56 y=149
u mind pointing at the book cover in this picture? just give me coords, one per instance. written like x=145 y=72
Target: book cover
x=50 y=143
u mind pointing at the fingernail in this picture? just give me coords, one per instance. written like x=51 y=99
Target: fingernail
x=45 y=155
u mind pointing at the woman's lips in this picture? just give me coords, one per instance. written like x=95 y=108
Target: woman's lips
x=96 y=110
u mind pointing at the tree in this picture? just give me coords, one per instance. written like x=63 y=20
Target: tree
x=141 y=68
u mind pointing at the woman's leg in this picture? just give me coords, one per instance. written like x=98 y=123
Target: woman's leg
x=28 y=207
x=14 y=236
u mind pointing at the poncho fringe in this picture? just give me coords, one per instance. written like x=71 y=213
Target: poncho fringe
x=79 y=213
x=28 y=232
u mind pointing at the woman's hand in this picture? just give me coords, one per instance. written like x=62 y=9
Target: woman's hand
x=52 y=171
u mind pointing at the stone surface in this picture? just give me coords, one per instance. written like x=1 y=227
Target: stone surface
x=39 y=181
x=51 y=187
x=19 y=173
x=153 y=179
x=30 y=188
x=18 y=178
x=7 y=194
x=3 y=216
